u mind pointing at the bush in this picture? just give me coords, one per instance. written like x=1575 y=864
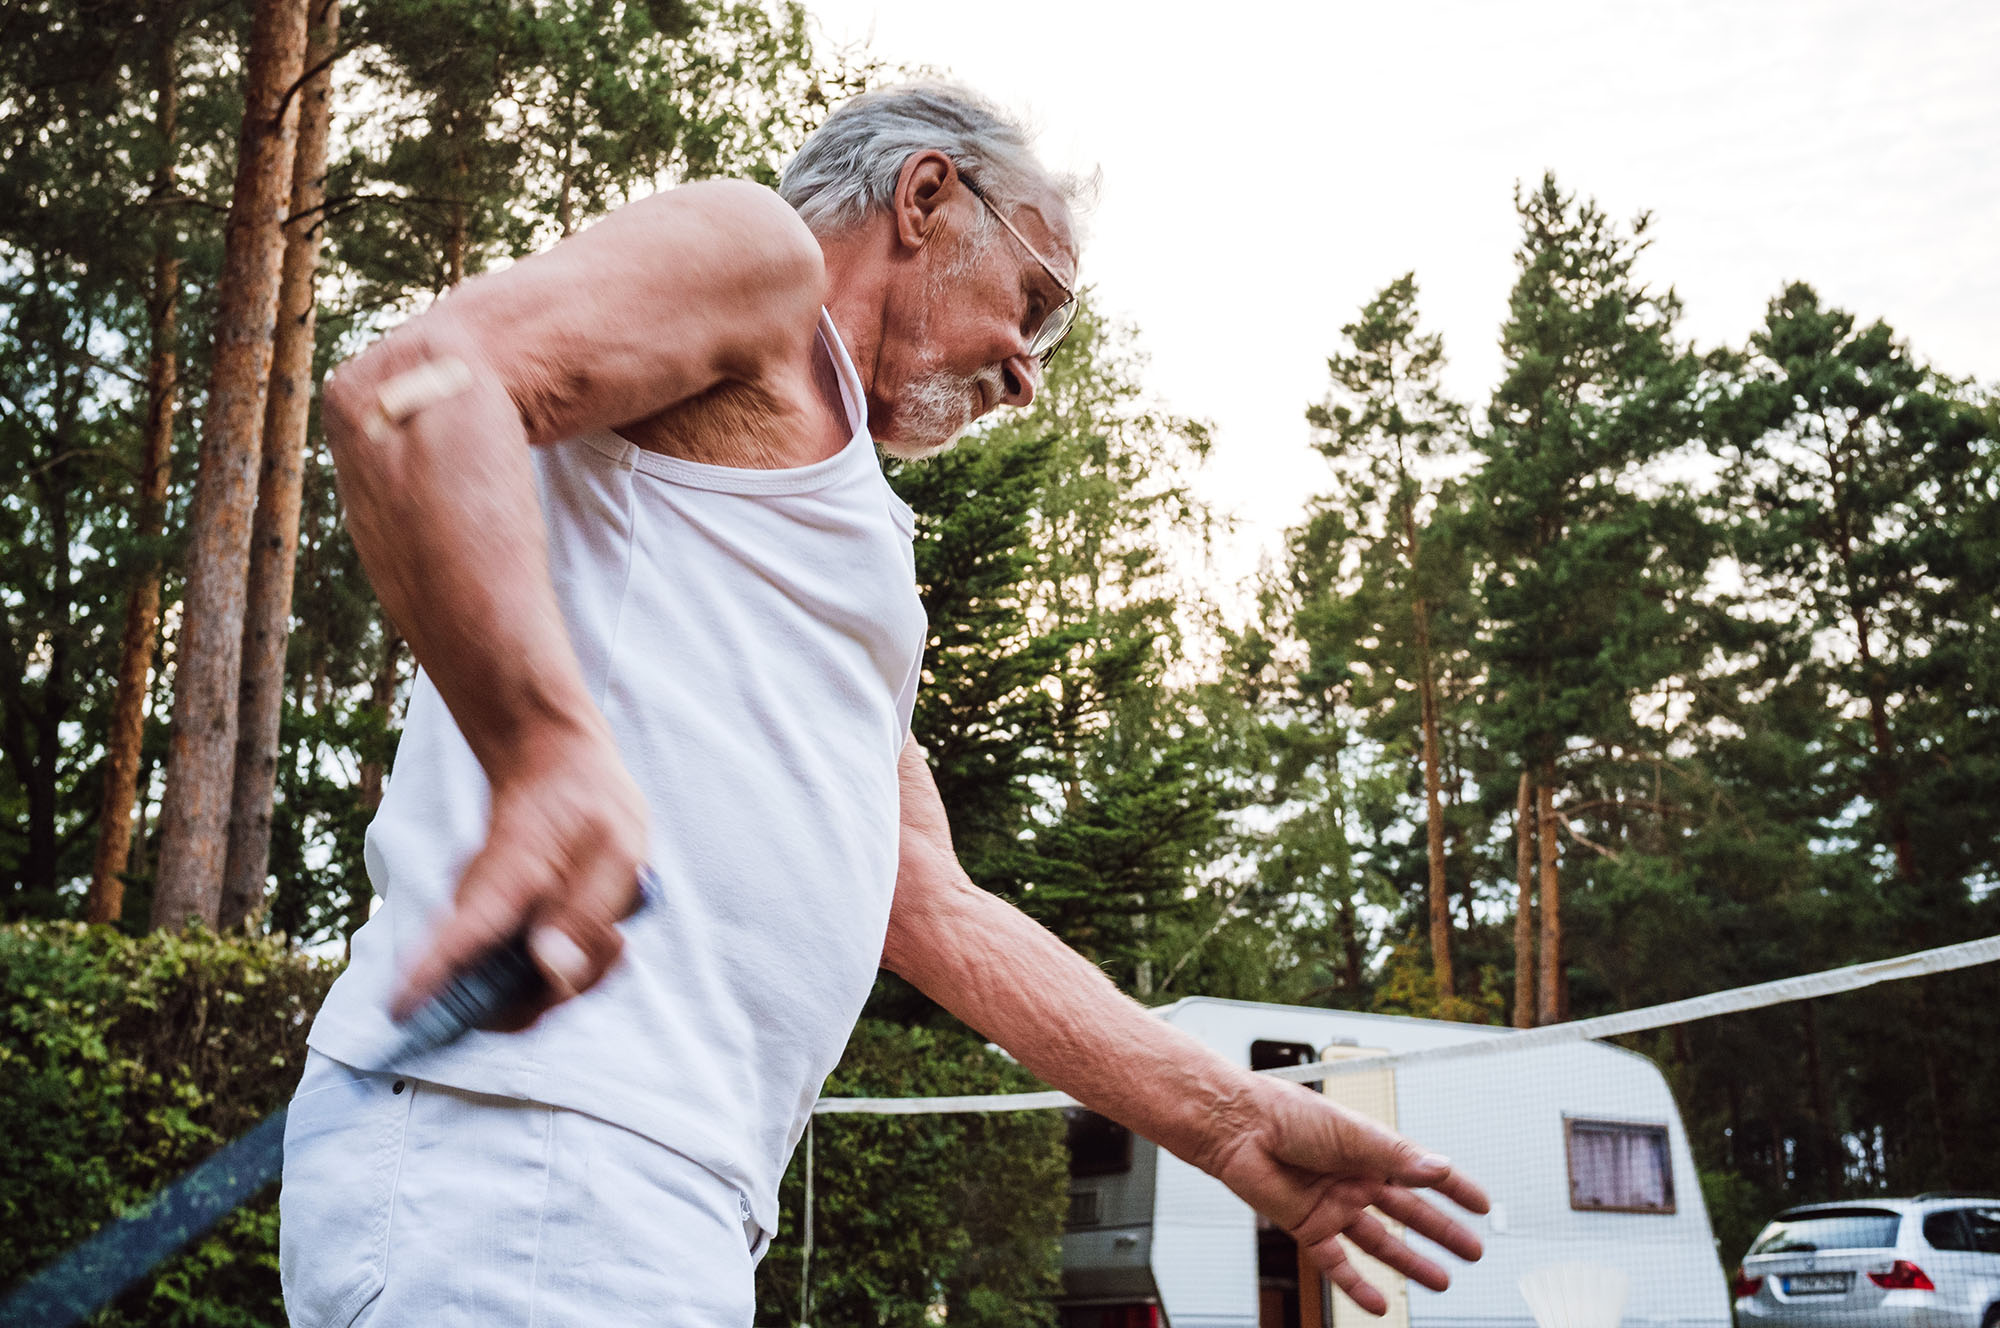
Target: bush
x=124 y=1061
x=919 y=1214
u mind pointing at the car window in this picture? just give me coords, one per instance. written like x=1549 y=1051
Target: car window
x=1984 y=1224
x=1829 y=1229
x=1945 y=1230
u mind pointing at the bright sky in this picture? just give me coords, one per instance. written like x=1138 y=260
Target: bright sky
x=1267 y=169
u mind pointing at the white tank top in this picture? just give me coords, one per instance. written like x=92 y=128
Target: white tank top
x=753 y=638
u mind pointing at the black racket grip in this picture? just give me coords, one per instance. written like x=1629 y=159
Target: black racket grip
x=504 y=976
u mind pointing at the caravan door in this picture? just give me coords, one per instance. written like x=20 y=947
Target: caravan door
x=1370 y=1093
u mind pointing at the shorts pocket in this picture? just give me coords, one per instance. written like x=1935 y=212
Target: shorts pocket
x=343 y=1145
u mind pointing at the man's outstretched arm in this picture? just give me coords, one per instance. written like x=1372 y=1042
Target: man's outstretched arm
x=1307 y=1164
x=430 y=429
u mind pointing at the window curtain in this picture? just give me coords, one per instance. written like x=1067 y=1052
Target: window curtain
x=1618 y=1167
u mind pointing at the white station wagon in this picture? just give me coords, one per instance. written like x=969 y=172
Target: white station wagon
x=1932 y=1261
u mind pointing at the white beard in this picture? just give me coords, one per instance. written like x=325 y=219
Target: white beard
x=933 y=410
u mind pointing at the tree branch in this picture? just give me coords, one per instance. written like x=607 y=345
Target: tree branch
x=1563 y=821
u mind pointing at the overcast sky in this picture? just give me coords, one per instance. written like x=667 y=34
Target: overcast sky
x=1268 y=167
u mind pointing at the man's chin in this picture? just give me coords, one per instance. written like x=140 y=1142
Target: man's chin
x=914 y=439
x=913 y=449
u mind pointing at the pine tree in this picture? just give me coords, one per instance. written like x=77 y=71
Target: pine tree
x=1406 y=621
x=142 y=608
x=1855 y=471
x=1597 y=555
x=77 y=249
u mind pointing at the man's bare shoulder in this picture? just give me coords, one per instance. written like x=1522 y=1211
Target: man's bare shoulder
x=660 y=301
x=737 y=226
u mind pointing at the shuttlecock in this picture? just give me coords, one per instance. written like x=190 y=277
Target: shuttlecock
x=1575 y=1295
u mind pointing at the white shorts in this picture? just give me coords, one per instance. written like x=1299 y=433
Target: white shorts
x=407 y=1203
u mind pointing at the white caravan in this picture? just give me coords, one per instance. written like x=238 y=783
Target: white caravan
x=1579 y=1145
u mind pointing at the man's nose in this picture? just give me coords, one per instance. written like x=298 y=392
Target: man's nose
x=1020 y=375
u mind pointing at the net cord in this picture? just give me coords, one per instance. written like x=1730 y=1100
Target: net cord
x=1922 y=963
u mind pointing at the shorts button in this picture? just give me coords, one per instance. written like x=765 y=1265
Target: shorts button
x=398 y=1087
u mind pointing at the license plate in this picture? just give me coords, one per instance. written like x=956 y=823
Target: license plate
x=1817 y=1284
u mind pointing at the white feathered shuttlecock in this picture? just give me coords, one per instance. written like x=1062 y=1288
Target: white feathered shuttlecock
x=1575 y=1295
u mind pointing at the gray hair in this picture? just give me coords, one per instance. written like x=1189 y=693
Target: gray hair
x=848 y=168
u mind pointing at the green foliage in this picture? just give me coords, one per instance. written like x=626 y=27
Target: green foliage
x=1078 y=779
x=122 y=1063
x=76 y=234
x=499 y=127
x=1862 y=489
x=914 y=1216
x=1738 y=609
x=1596 y=553
x=1737 y=1211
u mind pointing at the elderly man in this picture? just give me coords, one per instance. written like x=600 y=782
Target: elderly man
x=623 y=500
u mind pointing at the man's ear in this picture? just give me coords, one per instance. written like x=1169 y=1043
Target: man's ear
x=927 y=184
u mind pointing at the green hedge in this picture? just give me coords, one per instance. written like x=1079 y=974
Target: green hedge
x=917 y=1216
x=125 y=1061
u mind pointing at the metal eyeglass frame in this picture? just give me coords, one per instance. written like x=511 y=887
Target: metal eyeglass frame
x=1061 y=318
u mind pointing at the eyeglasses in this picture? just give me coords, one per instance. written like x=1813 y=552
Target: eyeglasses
x=1048 y=338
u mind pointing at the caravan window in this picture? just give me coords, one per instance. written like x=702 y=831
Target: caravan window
x=1098 y=1146
x=1271 y=1055
x=1619 y=1167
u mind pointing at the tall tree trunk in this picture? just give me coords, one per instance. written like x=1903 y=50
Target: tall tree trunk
x=1732 y=1088
x=1524 y=906
x=34 y=718
x=455 y=236
x=1550 y=1006
x=1888 y=784
x=1822 y=1157
x=1440 y=893
x=1927 y=1025
x=194 y=816
x=1888 y=781
x=382 y=695
x=106 y=901
x=274 y=539
x=1353 y=952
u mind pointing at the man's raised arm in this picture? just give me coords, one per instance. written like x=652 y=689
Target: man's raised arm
x=1309 y=1165
x=429 y=429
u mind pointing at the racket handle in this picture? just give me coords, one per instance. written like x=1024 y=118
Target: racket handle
x=504 y=976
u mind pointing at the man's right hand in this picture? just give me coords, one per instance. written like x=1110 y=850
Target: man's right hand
x=560 y=865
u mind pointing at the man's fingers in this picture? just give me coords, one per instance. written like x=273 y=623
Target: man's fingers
x=488 y=911
x=574 y=950
x=1370 y=1236
x=1407 y=1164
x=565 y=965
x=1428 y=1221
x=574 y=937
x=1340 y=1270
x=1462 y=1191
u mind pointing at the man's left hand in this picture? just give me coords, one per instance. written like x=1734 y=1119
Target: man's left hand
x=1331 y=1178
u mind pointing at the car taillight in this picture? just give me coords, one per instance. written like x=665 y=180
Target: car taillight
x=1741 y=1286
x=1902 y=1276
